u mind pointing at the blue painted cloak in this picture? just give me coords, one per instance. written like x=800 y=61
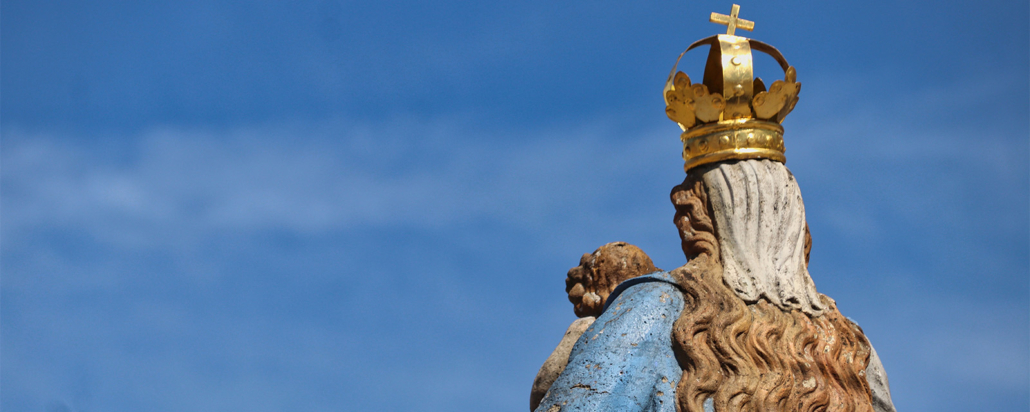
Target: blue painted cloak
x=624 y=361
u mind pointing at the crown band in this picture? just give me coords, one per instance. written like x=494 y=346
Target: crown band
x=732 y=139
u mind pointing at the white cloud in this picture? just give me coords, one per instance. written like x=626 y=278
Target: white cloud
x=173 y=190
x=306 y=179
x=179 y=188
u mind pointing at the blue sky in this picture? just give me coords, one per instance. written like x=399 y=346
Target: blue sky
x=211 y=206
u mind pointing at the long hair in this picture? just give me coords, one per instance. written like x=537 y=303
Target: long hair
x=745 y=351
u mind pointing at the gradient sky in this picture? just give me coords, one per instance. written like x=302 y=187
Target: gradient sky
x=268 y=206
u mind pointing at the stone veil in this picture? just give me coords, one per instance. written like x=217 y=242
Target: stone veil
x=760 y=225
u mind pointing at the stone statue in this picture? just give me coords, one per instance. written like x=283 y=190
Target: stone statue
x=589 y=285
x=740 y=326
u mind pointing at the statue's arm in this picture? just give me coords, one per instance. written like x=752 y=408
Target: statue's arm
x=624 y=361
x=555 y=364
x=877 y=378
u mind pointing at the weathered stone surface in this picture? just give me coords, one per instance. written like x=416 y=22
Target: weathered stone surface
x=750 y=331
x=589 y=286
x=760 y=224
x=555 y=364
x=625 y=361
x=598 y=273
x=878 y=385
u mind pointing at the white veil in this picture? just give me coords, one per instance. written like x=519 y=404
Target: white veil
x=760 y=224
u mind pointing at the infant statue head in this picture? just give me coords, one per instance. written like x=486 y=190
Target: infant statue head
x=598 y=273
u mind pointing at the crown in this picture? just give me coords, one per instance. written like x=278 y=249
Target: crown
x=730 y=114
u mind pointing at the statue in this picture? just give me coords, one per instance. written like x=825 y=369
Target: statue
x=740 y=327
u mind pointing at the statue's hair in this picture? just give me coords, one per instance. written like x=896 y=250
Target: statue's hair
x=600 y=272
x=756 y=355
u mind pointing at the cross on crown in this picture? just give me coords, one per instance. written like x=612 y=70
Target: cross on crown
x=730 y=114
x=732 y=22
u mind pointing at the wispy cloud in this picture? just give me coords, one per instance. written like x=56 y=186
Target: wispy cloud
x=89 y=224
x=308 y=179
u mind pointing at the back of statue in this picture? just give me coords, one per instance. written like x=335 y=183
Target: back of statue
x=740 y=326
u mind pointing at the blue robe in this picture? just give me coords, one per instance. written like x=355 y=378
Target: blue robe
x=624 y=361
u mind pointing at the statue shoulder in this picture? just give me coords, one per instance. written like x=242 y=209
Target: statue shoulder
x=659 y=277
x=624 y=361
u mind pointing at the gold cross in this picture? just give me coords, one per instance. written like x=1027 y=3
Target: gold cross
x=731 y=21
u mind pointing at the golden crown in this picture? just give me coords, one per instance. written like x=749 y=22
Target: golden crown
x=728 y=115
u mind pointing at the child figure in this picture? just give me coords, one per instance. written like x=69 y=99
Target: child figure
x=588 y=286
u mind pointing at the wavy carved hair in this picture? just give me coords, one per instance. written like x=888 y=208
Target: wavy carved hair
x=756 y=356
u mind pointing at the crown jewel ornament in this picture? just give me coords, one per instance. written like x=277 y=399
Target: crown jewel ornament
x=731 y=114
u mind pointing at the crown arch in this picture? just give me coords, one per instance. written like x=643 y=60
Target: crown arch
x=722 y=75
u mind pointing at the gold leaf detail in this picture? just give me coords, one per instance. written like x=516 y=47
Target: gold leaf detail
x=707 y=107
x=776 y=103
x=787 y=108
x=791 y=75
x=680 y=102
x=759 y=85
